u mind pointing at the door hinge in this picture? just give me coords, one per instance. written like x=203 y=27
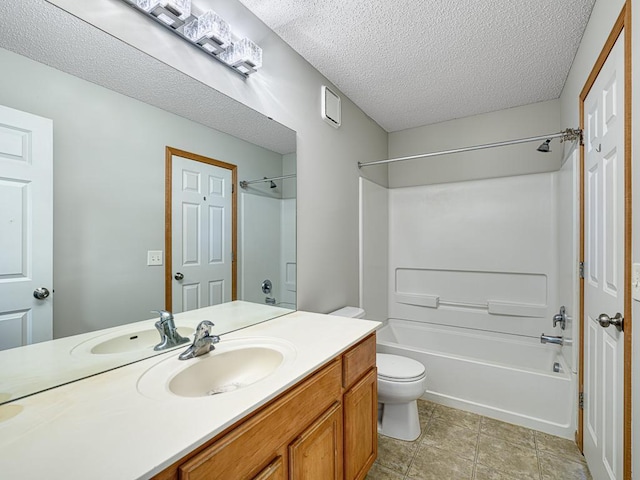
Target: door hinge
x=581 y=400
x=233 y=256
x=581 y=269
x=233 y=188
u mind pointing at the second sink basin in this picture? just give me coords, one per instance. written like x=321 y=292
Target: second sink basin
x=233 y=365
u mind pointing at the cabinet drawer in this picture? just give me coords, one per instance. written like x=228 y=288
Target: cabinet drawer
x=359 y=360
x=253 y=443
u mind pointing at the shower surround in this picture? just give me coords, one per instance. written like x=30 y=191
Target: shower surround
x=471 y=279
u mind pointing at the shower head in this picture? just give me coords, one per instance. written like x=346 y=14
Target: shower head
x=272 y=184
x=544 y=147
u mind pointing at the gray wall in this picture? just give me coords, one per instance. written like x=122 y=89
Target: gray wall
x=287 y=89
x=374 y=250
x=513 y=123
x=109 y=154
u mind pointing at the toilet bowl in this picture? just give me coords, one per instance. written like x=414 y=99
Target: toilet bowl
x=401 y=381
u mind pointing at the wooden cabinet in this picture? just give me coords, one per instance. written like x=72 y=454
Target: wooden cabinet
x=323 y=428
x=317 y=453
x=276 y=470
x=360 y=426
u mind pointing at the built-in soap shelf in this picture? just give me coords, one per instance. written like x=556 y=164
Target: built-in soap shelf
x=493 y=307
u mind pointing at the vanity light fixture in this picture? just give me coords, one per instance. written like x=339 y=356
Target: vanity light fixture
x=245 y=56
x=171 y=12
x=206 y=30
x=210 y=31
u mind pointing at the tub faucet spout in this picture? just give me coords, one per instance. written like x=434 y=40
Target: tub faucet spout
x=551 y=339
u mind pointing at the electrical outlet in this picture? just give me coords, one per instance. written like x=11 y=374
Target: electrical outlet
x=635 y=281
x=154 y=257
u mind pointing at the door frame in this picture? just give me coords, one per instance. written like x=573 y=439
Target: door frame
x=168 y=269
x=622 y=25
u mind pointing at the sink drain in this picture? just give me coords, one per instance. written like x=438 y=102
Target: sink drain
x=224 y=389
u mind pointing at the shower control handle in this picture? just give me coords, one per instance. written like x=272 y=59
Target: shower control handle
x=617 y=321
x=561 y=318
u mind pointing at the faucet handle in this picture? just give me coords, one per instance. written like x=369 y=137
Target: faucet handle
x=165 y=315
x=204 y=329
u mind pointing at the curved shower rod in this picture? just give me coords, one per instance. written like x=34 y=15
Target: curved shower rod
x=568 y=135
x=246 y=183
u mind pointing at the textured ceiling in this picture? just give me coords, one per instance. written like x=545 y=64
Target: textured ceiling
x=418 y=62
x=49 y=35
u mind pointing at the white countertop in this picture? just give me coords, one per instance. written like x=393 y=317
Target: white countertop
x=102 y=427
x=44 y=365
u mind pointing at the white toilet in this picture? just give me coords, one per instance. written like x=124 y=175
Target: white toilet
x=401 y=381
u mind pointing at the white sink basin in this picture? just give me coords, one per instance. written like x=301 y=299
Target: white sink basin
x=226 y=371
x=233 y=365
x=137 y=341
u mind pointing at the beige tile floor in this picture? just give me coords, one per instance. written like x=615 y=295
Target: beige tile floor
x=460 y=445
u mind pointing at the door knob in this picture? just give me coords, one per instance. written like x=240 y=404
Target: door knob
x=178 y=276
x=41 y=293
x=617 y=321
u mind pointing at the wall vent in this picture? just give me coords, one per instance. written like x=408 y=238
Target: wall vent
x=331 y=109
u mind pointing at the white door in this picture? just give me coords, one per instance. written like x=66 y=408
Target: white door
x=26 y=228
x=201 y=234
x=604 y=268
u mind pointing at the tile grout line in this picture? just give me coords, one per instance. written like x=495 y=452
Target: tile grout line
x=419 y=442
x=475 y=457
x=535 y=442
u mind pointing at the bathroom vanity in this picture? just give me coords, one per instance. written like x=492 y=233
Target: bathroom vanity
x=314 y=416
x=321 y=427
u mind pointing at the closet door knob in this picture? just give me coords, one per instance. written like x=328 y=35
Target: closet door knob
x=617 y=321
x=41 y=293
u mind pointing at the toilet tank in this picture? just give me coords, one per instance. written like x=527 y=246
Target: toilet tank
x=351 y=312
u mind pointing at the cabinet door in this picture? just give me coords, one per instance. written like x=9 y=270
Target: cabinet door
x=317 y=453
x=275 y=471
x=361 y=427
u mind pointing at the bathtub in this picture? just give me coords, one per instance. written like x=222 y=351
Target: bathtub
x=496 y=375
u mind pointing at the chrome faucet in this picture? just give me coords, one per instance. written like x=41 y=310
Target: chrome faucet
x=202 y=343
x=169 y=336
x=551 y=339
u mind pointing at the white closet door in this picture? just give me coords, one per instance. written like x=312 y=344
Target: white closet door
x=604 y=269
x=26 y=228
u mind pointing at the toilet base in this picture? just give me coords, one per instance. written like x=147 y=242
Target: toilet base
x=400 y=420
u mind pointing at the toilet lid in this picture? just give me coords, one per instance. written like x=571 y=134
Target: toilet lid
x=399 y=369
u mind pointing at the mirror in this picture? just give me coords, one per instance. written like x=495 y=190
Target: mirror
x=109 y=154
